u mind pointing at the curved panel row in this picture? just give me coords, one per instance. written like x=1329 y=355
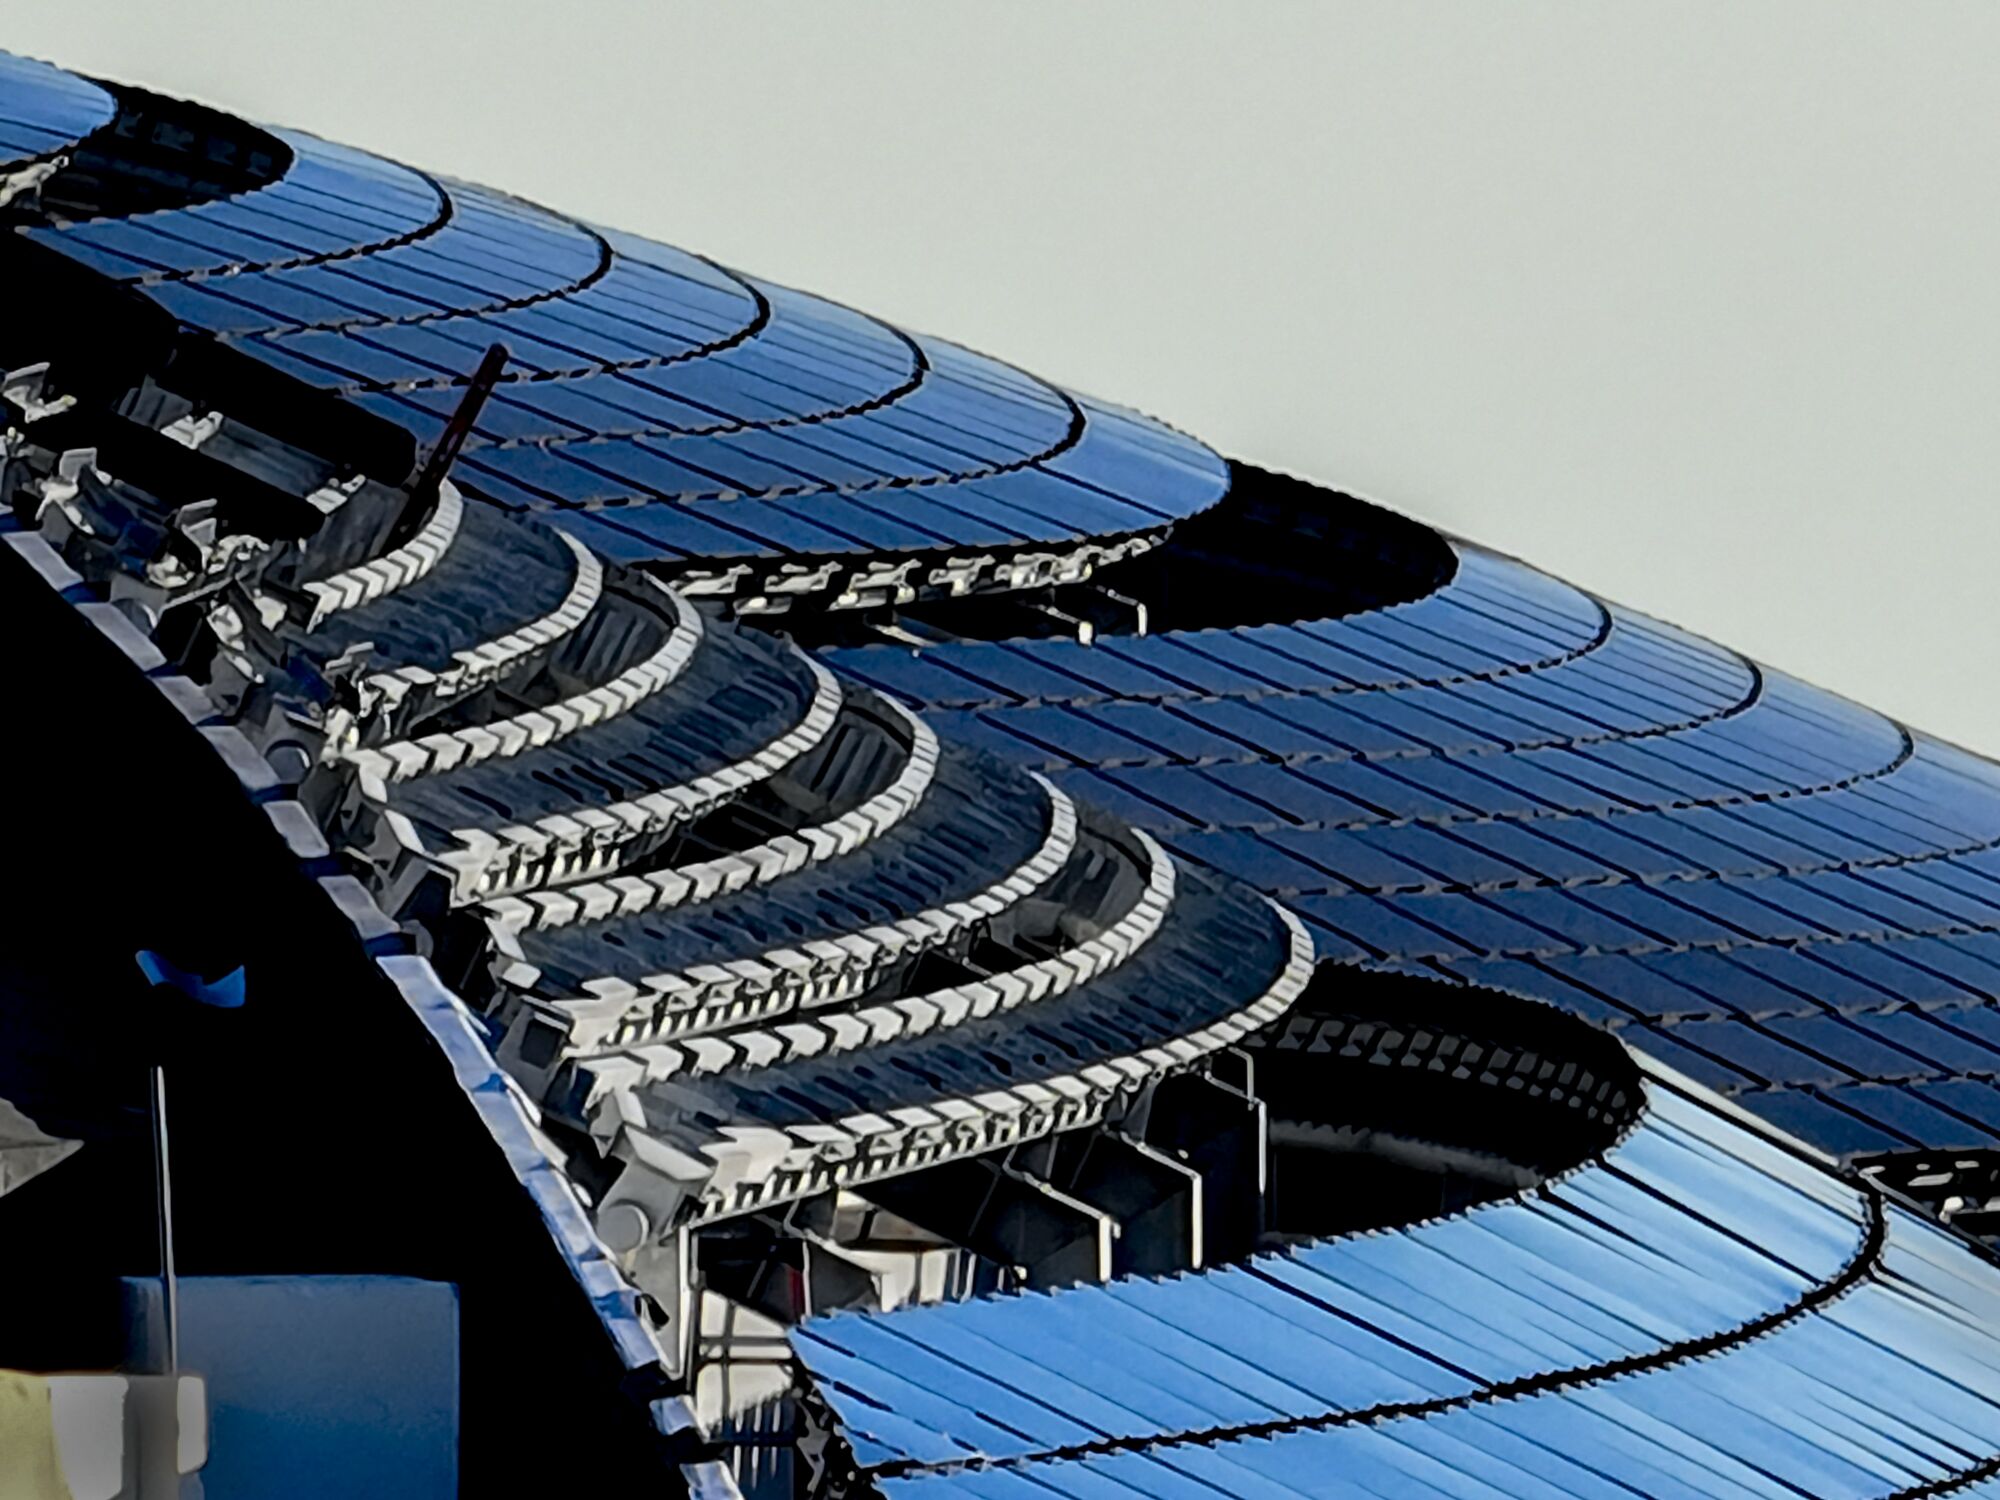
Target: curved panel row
x=44 y=109
x=1789 y=897
x=747 y=934
x=752 y=440
x=753 y=931
x=1697 y=1311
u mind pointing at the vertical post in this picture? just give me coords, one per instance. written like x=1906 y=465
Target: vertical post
x=163 y=1183
x=469 y=406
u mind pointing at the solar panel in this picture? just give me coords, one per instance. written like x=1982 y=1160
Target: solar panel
x=1365 y=1340
x=659 y=376
x=43 y=109
x=755 y=939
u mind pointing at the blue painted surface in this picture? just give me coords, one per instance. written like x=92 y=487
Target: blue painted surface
x=324 y=1387
x=225 y=992
x=43 y=109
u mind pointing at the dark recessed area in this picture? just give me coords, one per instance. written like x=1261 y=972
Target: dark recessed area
x=1274 y=550
x=1394 y=1098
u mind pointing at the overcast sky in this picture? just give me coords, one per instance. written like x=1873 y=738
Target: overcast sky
x=1695 y=305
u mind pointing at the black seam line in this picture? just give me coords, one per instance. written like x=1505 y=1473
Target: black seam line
x=1745 y=885
x=1689 y=875
x=1072 y=435
x=319 y=257
x=1681 y=875
x=606 y=257
x=920 y=369
x=1822 y=1087
x=1806 y=1009
x=1336 y=757
x=759 y=319
x=1950 y=1484
x=1366 y=642
x=1665 y=1023
x=1706 y=945
x=1905 y=752
x=1865 y=1260
x=1330 y=690
x=1662 y=1024
x=1748 y=699
x=1606 y=624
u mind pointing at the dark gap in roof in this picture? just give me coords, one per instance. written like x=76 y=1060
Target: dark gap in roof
x=103 y=341
x=1394 y=1098
x=159 y=153
x=1277 y=549
x=1274 y=550
x=1960 y=1186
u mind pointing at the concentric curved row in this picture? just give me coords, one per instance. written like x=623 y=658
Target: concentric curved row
x=804 y=1124
x=1791 y=898
x=662 y=409
x=331 y=204
x=622 y=966
x=747 y=933
x=1697 y=1312
x=751 y=930
x=1504 y=780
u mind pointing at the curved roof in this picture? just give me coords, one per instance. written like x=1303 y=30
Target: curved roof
x=1698 y=1311
x=659 y=407
x=752 y=923
x=1785 y=895
x=752 y=932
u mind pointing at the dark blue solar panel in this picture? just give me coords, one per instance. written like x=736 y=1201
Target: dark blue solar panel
x=633 y=534
x=1601 y=808
x=1934 y=1039
x=1676 y=844
x=43 y=109
x=1763 y=1056
x=1583 y=1283
x=1910 y=1116
x=330 y=202
x=1968 y=1098
x=1664 y=1044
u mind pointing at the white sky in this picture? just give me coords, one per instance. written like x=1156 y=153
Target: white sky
x=1693 y=304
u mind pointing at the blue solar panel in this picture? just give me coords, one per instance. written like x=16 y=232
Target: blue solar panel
x=1908 y=1115
x=1729 y=789
x=1495 y=779
x=43 y=109
x=1590 y=1277
x=1936 y=1038
x=853 y=409
x=356 y=274
x=1760 y=1054
x=357 y=202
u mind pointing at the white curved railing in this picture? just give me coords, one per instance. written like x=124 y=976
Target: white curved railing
x=621 y=1013
x=727 y=874
x=531 y=729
